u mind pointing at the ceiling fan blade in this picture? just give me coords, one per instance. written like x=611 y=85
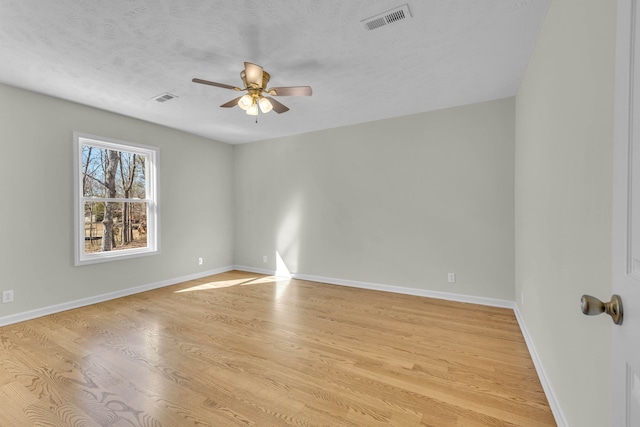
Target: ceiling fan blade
x=291 y=91
x=222 y=85
x=277 y=106
x=253 y=74
x=231 y=103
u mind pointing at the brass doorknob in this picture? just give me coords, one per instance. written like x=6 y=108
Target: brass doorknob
x=592 y=306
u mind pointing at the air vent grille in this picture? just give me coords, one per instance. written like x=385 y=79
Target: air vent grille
x=389 y=17
x=164 y=97
x=376 y=23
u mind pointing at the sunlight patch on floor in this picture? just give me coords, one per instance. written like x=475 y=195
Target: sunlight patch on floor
x=281 y=283
x=214 y=285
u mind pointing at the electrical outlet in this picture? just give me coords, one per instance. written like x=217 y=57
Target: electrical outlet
x=7 y=296
x=264 y=258
x=199 y=261
x=451 y=277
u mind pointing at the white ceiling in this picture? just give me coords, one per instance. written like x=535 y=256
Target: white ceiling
x=118 y=54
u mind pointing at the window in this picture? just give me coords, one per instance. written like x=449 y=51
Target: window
x=116 y=205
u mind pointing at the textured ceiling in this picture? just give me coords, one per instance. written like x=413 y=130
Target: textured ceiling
x=118 y=54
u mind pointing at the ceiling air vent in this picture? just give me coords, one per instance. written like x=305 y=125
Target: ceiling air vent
x=389 y=17
x=164 y=97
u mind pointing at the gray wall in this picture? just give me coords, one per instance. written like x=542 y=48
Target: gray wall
x=396 y=202
x=564 y=137
x=36 y=254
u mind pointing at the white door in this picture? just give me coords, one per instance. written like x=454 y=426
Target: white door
x=625 y=346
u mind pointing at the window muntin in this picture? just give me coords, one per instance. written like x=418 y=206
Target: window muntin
x=116 y=200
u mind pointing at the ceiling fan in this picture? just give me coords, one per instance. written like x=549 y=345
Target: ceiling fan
x=255 y=81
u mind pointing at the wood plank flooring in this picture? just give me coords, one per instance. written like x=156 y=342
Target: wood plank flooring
x=240 y=349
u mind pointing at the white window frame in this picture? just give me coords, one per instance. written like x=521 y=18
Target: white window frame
x=151 y=192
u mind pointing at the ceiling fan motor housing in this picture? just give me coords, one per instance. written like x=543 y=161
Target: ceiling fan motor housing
x=265 y=80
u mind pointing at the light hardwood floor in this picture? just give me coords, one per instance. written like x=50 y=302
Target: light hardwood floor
x=248 y=350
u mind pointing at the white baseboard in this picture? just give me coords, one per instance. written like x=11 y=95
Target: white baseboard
x=561 y=421
x=254 y=270
x=494 y=302
x=32 y=314
x=409 y=291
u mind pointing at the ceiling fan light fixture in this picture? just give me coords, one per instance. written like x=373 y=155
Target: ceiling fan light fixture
x=253 y=110
x=265 y=105
x=245 y=102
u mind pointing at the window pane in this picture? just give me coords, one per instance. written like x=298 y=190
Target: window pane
x=112 y=173
x=111 y=226
x=116 y=210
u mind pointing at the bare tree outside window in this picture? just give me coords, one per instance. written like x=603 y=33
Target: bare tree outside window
x=115 y=203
